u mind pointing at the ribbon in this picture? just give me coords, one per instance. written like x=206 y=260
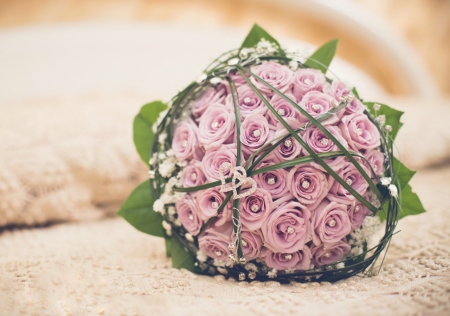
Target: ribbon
x=239 y=178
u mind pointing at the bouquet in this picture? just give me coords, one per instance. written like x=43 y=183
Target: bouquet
x=270 y=167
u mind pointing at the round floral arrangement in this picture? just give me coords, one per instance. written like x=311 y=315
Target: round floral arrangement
x=267 y=168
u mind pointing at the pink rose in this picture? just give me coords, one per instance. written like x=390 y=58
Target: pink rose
x=283 y=108
x=355 y=106
x=210 y=96
x=273 y=181
x=214 y=241
x=287 y=228
x=237 y=78
x=255 y=208
x=185 y=144
x=278 y=76
x=214 y=158
x=317 y=103
x=192 y=175
x=249 y=102
x=252 y=243
x=299 y=260
x=309 y=185
x=360 y=133
x=353 y=177
x=337 y=89
x=217 y=126
x=326 y=254
x=319 y=142
x=287 y=150
x=306 y=80
x=330 y=222
x=357 y=212
x=254 y=133
x=187 y=213
x=376 y=160
x=208 y=201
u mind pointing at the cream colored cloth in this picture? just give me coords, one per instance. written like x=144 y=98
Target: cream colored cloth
x=109 y=268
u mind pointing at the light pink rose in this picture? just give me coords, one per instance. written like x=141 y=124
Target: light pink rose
x=287 y=228
x=326 y=254
x=252 y=243
x=357 y=212
x=299 y=260
x=337 y=89
x=254 y=133
x=209 y=96
x=217 y=126
x=185 y=143
x=360 y=133
x=330 y=222
x=278 y=76
x=273 y=181
x=354 y=178
x=355 y=106
x=187 y=213
x=306 y=80
x=317 y=103
x=208 y=201
x=214 y=241
x=192 y=175
x=376 y=160
x=255 y=208
x=309 y=185
x=288 y=149
x=214 y=158
x=249 y=103
x=237 y=78
x=283 y=108
x=319 y=142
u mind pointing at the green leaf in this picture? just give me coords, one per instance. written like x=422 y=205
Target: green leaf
x=322 y=57
x=403 y=173
x=168 y=247
x=355 y=92
x=392 y=116
x=256 y=34
x=181 y=258
x=138 y=211
x=142 y=127
x=411 y=204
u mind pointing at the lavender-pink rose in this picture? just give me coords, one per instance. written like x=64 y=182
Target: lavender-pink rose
x=208 y=202
x=254 y=133
x=192 y=175
x=317 y=103
x=287 y=228
x=357 y=212
x=210 y=96
x=273 y=181
x=283 y=107
x=185 y=143
x=278 y=76
x=255 y=208
x=299 y=260
x=330 y=222
x=360 y=133
x=217 y=126
x=308 y=184
x=353 y=177
x=187 y=213
x=288 y=149
x=249 y=102
x=376 y=161
x=214 y=158
x=326 y=254
x=321 y=143
x=252 y=243
x=306 y=80
x=214 y=241
x=337 y=89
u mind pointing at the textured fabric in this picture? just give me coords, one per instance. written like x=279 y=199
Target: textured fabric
x=108 y=268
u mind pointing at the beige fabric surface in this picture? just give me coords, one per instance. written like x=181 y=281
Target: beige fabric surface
x=108 y=268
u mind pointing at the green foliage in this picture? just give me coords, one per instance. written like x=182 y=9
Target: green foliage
x=256 y=34
x=392 y=116
x=138 y=211
x=181 y=258
x=411 y=204
x=322 y=57
x=403 y=174
x=142 y=127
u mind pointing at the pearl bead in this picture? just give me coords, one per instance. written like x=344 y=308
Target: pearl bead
x=256 y=133
x=349 y=181
x=307 y=81
x=215 y=125
x=272 y=76
x=184 y=143
x=359 y=131
x=193 y=176
x=252 y=275
x=315 y=107
x=288 y=143
x=305 y=184
x=231 y=247
x=327 y=255
x=271 y=181
x=288 y=257
x=331 y=223
x=282 y=112
x=357 y=208
x=215 y=204
x=242 y=260
x=241 y=276
x=247 y=100
x=255 y=208
x=218 y=253
x=324 y=141
x=290 y=230
x=244 y=243
x=191 y=217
